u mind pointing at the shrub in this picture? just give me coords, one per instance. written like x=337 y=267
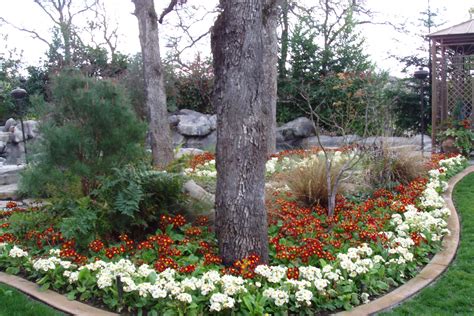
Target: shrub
x=135 y=197
x=88 y=130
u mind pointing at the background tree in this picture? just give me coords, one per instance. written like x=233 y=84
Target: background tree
x=270 y=67
x=238 y=51
x=324 y=42
x=160 y=134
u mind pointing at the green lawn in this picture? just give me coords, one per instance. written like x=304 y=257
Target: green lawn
x=453 y=294
x=15 y=303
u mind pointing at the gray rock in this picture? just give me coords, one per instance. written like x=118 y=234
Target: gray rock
x=328 y=141
x=4 y=137
x=173 y=120
x=15 y=154
x=177 y=138
x=9 y=174
x=188 y=151
x=31 y=129
x=198 y=193
x=189 y=112
x=194 y=125
x=9 y=124
x=16 y=136
x=9 y=192
x=213 y=120
x=395 y=141
x=206 y=143
x=299 y=128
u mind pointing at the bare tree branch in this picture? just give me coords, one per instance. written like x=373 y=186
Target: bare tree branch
x=167 y=10
x=33 y=33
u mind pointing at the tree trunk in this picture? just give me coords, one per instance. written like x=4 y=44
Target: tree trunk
x=270 y=69
x=237 y=47
x=284 y=39
x=161 y=146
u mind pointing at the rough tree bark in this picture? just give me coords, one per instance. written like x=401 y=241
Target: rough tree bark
x=270 y=69
x=162 y=150
x=237 y=47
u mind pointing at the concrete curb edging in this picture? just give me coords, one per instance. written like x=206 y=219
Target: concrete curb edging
x=430 y=273
x=52 y=298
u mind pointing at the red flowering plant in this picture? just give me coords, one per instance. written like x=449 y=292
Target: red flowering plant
x=316 y=261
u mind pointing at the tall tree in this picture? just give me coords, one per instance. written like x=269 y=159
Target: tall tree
x=238 y=51
x=270 y=68
x=161 y=147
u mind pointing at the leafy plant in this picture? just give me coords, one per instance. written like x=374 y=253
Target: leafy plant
x=462 y=134
x=87 y=130
x=135 y=197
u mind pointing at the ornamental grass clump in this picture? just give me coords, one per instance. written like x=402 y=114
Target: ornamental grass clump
x=308 y=180
x=388 y=167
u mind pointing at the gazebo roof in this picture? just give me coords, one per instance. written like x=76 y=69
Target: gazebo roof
x=464 y=28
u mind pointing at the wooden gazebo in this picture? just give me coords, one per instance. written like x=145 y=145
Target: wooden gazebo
x=452 y=52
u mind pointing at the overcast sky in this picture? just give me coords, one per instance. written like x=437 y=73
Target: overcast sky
x=381 y=41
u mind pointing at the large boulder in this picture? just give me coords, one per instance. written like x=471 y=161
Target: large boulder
x=328 y=141
x=206 y=142
x=396 y=141
x=194 y=125
x=299 y=128
x=16 y=136
x=9 y=124
x=31 y=129
x=177 y=138
x=4 y=137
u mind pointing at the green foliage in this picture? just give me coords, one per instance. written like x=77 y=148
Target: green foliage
x=84 y=222
x=88 y=130
x=190 y=86
x=134 y=83
x=9 y=80
x=405 y=94
x=38 y=220
x=330 y=80
x=462 y=133
x=135 y=197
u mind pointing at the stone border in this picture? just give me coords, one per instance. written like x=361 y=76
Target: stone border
x=430 y=272
x=52 y=298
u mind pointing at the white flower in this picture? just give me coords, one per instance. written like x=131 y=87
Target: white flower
x=184 y=297
x=365 y=298
x=16 y=252
x=221 y=301
x=280 y=297
x=304 y=296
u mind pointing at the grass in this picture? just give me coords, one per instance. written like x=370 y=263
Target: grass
x=453 y=294
x=15 y=303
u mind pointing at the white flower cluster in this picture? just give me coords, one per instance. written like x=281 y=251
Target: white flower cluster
x=51 y=263
x=453 y=162
x=221 y=301
x=357 y=260
x=17 y=252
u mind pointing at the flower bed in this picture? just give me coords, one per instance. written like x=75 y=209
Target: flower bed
x=318 y=263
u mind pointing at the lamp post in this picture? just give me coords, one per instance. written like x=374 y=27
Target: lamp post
x=421 y=75
x=19 y=95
